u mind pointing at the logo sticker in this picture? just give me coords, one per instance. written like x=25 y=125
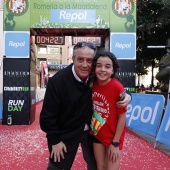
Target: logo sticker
x=122 y=8
x=17 y=7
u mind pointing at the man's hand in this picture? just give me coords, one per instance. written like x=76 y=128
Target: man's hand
x=58 y=151
x=124 y=102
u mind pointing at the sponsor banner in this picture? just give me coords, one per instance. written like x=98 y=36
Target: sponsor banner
x=144 y=113
x=16 y=91
x=163 y=135
x=17 y=44
x=6 y=88
x=69 y=14
x=123 y=45
x=20 y=15
x=123 y=15
x=127 y=74
x=16 y=15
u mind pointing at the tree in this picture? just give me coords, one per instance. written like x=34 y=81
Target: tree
x=153 y=29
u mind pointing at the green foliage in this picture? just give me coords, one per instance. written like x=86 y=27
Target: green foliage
x=153 y=29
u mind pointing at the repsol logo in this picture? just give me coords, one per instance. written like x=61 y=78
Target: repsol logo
x=73 y=16
x=16 y=44
x=145 y=115
x=123 y=46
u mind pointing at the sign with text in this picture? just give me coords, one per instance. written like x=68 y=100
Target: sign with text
x=123 y=45
x=49 y=39
x=17 y=44
x=95 y=40
x=16 y=90
x=127 y=74
x=144 y=112
x=70 y=14
x=163 y=135
x=73 y=16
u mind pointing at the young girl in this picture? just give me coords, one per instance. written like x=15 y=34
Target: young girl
x=108 y=121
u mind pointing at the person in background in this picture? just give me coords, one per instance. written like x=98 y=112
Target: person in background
x=108 y=121
x=67 y=110
x=142 y=87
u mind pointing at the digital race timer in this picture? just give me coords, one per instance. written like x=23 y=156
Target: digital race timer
x=50 y=40
x=95 y=40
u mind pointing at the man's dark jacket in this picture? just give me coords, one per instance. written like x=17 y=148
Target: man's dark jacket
x=67 y=107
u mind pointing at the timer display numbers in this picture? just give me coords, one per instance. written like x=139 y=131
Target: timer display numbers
x=50 y=40
x=95 y=40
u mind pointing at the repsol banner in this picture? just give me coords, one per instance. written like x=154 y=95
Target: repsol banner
x=144 y=113
x=123 y=45
x=117 y=15
x=16 y=91
x=163 y=135
x=127 y=74
x=69 y=13
x=17 y=44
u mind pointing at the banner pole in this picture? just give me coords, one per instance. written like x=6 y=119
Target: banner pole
x=158 y=46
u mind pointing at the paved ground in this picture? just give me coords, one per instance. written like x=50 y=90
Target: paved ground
x=151 y=140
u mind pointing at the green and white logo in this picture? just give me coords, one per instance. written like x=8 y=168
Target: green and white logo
x=122 y=8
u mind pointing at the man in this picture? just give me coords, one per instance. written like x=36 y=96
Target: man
x=67 y=111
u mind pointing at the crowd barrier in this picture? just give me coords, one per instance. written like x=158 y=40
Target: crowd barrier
x=163 y=135
x=146 y=114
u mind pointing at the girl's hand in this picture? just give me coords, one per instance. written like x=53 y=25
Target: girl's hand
x=113 y=153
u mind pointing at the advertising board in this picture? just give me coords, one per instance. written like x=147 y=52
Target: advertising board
x=144 y=113
x=16 y=91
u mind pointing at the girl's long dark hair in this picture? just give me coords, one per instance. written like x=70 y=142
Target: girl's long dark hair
x=104 y=53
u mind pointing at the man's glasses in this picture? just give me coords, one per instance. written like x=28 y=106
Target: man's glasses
x=83 y=44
